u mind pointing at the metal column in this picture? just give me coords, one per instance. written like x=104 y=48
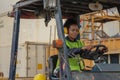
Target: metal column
x=14 y=48
x=64 y=73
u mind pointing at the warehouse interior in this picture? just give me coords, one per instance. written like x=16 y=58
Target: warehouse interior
x=99 y=21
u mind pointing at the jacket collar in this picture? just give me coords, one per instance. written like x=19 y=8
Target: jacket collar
x=67 y=38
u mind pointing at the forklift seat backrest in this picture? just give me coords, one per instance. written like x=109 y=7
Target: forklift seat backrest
x=52 y=63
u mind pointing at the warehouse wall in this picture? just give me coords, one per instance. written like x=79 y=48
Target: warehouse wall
x=6 y=30
x=30 y=30
x=112 y=28
x=6 y=5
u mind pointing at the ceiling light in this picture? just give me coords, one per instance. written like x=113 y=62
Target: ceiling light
x=95 y=6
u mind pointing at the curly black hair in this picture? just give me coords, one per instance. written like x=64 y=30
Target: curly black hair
x=69 y=22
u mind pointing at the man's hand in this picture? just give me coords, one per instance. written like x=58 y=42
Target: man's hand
x=104 y=50
x=93 y=51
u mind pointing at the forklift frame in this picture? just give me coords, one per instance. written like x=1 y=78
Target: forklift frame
x=64 y=73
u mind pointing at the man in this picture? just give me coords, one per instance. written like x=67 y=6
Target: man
x=76 y=47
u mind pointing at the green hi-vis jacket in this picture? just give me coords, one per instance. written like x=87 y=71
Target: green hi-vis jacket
x=75 y=63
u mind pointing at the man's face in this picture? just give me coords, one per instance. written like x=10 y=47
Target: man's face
x=73 y=31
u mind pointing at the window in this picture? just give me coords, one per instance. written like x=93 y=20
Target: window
x=114 y=58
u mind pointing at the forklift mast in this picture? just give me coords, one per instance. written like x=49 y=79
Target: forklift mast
x=64 y=73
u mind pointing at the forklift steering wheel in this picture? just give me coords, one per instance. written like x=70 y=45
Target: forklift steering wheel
x=97 y=51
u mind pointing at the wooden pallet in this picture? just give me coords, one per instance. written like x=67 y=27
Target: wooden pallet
x=113 y=44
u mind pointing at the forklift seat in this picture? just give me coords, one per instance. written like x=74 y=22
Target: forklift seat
x=52 y=61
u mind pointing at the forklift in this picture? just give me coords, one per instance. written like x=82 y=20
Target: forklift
x=60 y=9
